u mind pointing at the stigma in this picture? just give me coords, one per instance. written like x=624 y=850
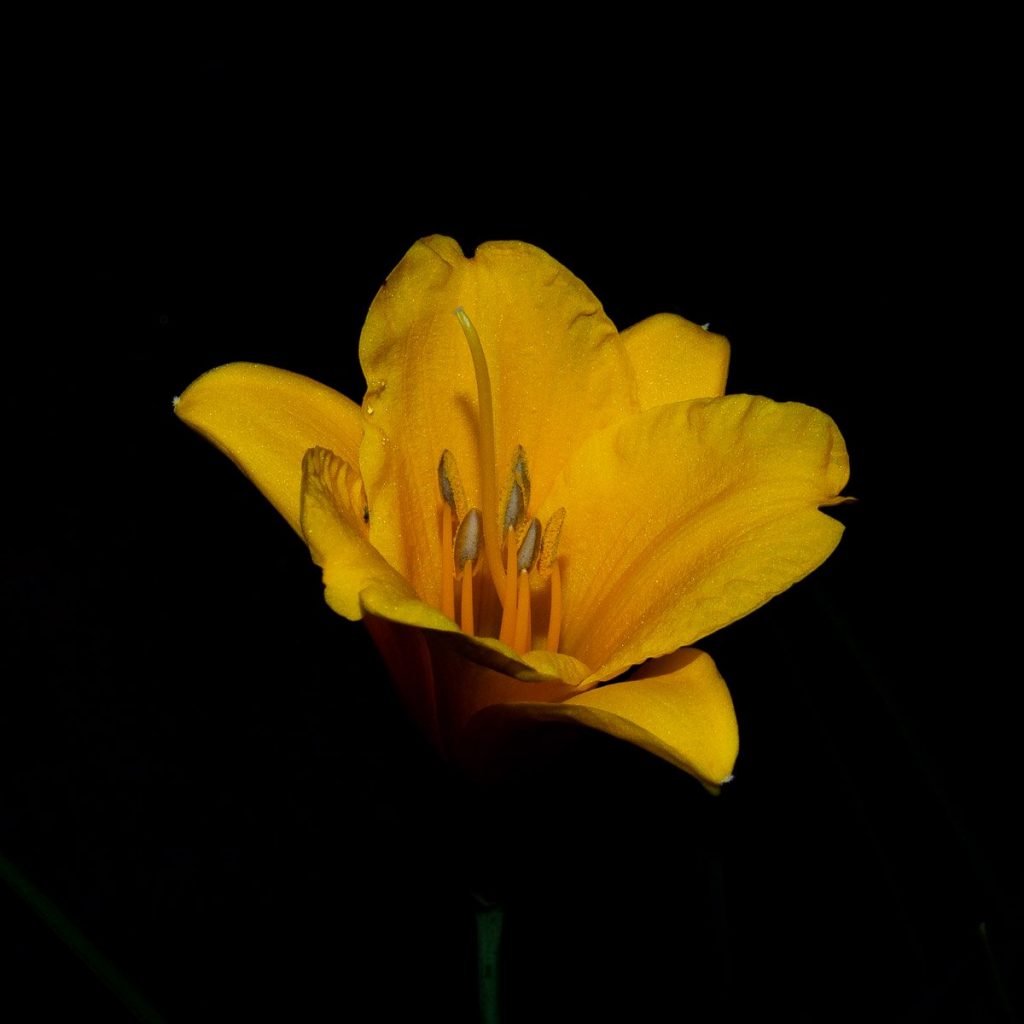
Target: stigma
x=513 y=557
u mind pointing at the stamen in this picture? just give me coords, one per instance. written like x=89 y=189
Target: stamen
x=514 y=508
x=555 y=616
x=447 y=563
x=528 y=549
x=488 y=487
x=528 y=552
x=521 y=473
x=523 y=622
x=453 y=509
x=448 y=479
x=547 y=565
x=467 y=539
x=508 y=613
x=549 y=546
x=466 y=616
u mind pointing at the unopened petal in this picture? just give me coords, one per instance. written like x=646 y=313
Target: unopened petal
x=265 y=419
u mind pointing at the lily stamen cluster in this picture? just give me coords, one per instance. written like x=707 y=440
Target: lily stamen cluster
x=527 y=551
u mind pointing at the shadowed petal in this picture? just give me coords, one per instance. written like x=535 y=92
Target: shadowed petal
x=677 y=707
x=686 y=517
x=674 y=360
x=266 y=419
x=444 y=678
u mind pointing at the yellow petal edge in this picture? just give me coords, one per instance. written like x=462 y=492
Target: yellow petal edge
x=677 y=708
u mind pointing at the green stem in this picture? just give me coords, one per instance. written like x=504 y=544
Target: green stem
x=489 y=920
x=75 y=940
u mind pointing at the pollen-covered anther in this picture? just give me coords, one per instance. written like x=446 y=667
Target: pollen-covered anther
x=529 y=549
x=450 y=483
x=467 y=550
x=549 y=545
x=521 y=473
x=453 y=510
x=515 y=509
x=547 y=567
x=468 y=540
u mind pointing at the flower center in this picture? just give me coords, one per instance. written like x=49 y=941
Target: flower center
x=520 y=559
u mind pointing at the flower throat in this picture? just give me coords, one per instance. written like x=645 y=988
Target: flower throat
x=512 y=542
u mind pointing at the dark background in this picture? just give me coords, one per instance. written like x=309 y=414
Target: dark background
x=207 y=782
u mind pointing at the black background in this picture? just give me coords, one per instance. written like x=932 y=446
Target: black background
x=206 y=771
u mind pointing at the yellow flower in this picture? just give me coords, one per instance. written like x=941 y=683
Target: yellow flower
x=529 y=504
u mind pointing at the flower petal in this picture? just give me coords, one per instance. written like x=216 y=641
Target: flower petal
x=677 y=707
x=336 y=534
x=265 y=420
x=444 y=678
x=402 y=607
x=686 y=517
x=557 y=367
x=675 y=360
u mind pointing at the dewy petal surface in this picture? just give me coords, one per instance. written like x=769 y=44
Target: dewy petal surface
x=557 y=366
x=677 y=707
x=265 y=419
x=686 y=517
x=674 y=360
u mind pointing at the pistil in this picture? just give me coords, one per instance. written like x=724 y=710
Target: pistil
x=485 y=406
x=506 y=528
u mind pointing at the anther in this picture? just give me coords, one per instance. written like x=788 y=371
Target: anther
x=453 y=509
x=515 y=508
x=467 y=550
x=549 y=545
x=521 y=473
x=450 y=483
x=529 y=549
x=547 y=566
x=468 y=539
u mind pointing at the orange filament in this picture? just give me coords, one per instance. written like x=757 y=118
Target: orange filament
x=466 y=618
x=508 y=613
x=523 y=624
x=555 y=618
x=447 y=563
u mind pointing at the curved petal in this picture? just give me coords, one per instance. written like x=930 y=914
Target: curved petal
x=403 y=607
x=443 y=689
x=337 y=537
x=677 y=707
x=466 y=687
x=266 y=419
x=557 y=368
x=674 y=360
x=686 y=517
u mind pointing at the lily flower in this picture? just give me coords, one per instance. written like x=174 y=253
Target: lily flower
x=535 y=514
